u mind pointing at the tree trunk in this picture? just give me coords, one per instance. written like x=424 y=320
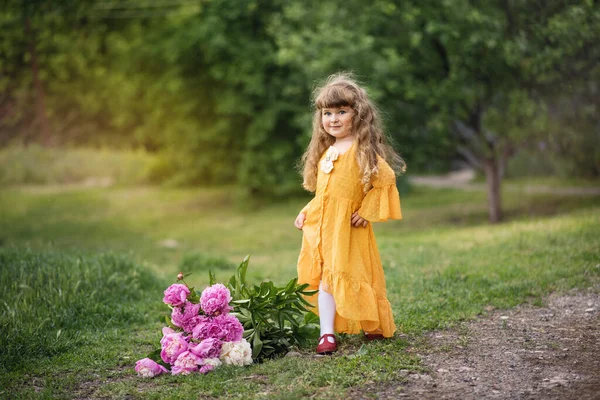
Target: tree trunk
x=40 y=102
x=494 y=180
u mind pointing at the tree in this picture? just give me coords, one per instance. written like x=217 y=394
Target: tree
x=222 y=89
x=227 y=56
x=28 y=48
x=470 y=74
x=483 y=67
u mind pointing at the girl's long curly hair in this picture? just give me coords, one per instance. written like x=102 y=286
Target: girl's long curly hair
x=339 y=90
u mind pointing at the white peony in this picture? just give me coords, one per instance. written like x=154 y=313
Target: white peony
x=215 y=362
x=236 y=353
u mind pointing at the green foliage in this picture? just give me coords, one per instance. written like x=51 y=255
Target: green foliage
x=54 y=301
x=199 y=261
x=188 y=83
x=35 y=164
x=274 y=318
x=545 y=162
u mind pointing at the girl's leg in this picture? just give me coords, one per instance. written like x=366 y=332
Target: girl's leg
x=326 y=313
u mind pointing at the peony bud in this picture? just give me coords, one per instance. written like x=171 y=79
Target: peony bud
x=180 y=276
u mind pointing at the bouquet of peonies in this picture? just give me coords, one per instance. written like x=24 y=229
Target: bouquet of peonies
x=202 y=334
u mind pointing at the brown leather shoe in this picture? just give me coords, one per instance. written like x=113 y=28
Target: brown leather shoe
x=327 y=347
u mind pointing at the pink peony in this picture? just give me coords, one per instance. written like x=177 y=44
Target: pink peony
x=215 y=300
x=232 y=327
x=186 y=317
x=166 y=330
x=172 y=344
x=186 y=363
x=208 y=348
x=176 y=294
x=149 y=368
x=205 y=369
x=207 y=329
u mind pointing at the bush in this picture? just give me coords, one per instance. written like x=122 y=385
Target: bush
x=531 y=164
x=539 y=163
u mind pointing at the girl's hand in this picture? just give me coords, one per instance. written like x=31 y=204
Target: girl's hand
x=299 y=222
x=358 y=221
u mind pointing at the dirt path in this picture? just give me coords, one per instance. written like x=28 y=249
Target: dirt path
x=533 y=353
x=552 y=352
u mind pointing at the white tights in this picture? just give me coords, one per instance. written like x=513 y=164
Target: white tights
x=326 y=312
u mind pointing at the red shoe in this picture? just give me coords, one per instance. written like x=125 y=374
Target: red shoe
x=327 y=347
x=374 y=336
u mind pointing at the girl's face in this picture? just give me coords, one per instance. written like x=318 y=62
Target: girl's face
x=337 y=121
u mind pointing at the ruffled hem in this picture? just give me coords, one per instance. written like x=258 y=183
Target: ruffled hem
x=358 y=306
x=380 y=204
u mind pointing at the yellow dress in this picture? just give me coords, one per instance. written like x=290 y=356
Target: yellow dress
x=346 y=258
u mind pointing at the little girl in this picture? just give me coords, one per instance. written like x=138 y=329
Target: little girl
x=345 y=165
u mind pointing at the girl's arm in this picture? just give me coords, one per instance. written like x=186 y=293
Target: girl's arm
x=306 y=207
x=382 y=201
x=299 y=222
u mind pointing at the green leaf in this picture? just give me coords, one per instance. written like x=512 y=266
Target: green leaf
x=302 y=308
x=303 y=301
x=291 y=284
x=169 y=323
x=308 y=330
x=280 y=320
x=243 y=268
x=275 y=318
x=256 y=345
x=265 y=289
x=242 y=318
x=154 y=355
x=303 y=286
x=307 y=292
x=233 y=285
x=193 y=297
x=211 y=278
x=311 y=318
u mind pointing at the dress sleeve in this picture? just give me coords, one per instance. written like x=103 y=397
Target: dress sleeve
x=306 y=207
x=382 y=201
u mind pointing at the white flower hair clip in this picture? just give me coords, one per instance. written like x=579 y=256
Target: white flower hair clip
x=330 y=156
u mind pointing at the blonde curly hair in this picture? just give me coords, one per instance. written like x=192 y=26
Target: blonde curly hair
x=339 y=90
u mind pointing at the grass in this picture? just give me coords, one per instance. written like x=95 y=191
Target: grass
x=557 y=182
x=35 y=164
x=444 y=264
x=138 y=221
x=447 y=273
x=54 y=301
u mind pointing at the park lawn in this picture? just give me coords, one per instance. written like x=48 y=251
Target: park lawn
x=209 y=223
x=443 y=264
